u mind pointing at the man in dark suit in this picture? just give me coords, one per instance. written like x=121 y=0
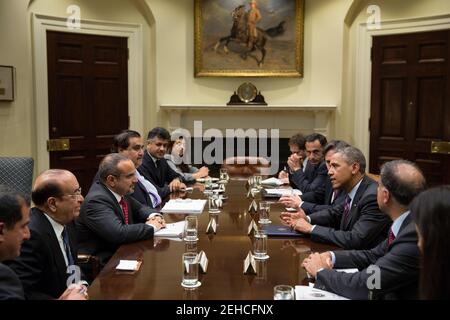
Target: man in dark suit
x=129 y=143
x=357 y=223
x=109 y=216
x=390 y=270
x=315 y=173
x=155 y=168
x=46 y=265
x=321 y=198
x=296 y=146
x=14 y=219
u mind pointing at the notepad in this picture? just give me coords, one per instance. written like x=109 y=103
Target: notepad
x=184 y=206
x=272 y=181
x=310 y=293
x=128 y=265
x=281 y=192
x=171 y=230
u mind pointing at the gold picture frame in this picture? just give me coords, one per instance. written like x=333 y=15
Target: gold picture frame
x=222 y=46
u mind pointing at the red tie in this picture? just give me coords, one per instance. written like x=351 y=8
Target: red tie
x=391 y=237
x=124 y=206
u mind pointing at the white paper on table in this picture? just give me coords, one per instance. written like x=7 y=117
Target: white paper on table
x=350 y=270
x=187 y=206
x=128 y=265
x=310 y=293
x=283 y=192
x=272 y=181
x=171 y=230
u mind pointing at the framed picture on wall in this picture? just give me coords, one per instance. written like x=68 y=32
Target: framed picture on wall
x=249 y=38
x=6 y=83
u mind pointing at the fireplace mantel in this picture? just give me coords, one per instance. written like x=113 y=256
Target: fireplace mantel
x=290 y=119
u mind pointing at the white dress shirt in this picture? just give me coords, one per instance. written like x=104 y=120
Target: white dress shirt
x=58 y=229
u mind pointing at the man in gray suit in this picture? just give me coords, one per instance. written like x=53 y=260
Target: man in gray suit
x=390 y=270
x=356 y=223
x=109 y=216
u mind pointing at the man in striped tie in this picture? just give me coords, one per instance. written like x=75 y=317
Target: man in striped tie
x=391 y=269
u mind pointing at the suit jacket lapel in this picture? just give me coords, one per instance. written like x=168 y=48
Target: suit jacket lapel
x=354 y=209
x=53 y=244
x=118 y=209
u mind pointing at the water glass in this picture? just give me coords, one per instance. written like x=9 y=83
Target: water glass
x=283 y=292
x=264 y=212
x=214 y=203
x=258 y=182
x=260 y=245
x=223 y=175
x=190 y=270
x=191 y=228
x=208 y=186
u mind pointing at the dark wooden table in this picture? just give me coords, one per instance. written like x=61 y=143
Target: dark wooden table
x=159 y=276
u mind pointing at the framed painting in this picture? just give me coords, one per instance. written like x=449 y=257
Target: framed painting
x=6 y=83
x=249 y=38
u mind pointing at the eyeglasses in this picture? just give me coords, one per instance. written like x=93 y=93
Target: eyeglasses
x=76 y=194
x=138 y=147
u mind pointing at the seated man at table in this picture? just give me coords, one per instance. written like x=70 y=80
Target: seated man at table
x=390 y=270
x=321 y=198
x=357 y=223
x=129 y=143
x=47 y=261
x=296 y=146
x=155 y=168
x=109 y=216
x=315 y=172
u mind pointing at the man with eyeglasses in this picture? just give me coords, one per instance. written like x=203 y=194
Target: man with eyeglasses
x=47 y=262
x=109 y=216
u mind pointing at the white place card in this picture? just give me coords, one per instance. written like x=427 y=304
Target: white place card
x=253 y=207
x=212 y=226
x=249 y=264
x=203 y=261
x=252 y=227
x=128 y=265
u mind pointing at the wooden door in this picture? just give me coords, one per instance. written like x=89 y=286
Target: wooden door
x=411 y=101
x=88 y=98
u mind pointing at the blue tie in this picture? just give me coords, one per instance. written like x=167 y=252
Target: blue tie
x=65 y=237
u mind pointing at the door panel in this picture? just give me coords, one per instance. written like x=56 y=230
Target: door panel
x=88 y=98
x=411 y=101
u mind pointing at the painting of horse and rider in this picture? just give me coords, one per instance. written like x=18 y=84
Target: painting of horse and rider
x=249 y=38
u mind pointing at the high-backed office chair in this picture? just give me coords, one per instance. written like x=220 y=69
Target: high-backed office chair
x=373 y=176
x=17 y=173
x=244 y=167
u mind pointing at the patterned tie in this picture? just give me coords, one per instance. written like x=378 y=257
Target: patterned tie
x=391 y=237
x=347 y=208
x=124 y=206
x=65 y=236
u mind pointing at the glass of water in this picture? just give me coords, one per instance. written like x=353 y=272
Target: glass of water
x=283 y=292
x=214 y=203
x=223 y=175
x=190 y=228
x=208 y=186
x=260 y=245
x=264 y=212
x=190 y=270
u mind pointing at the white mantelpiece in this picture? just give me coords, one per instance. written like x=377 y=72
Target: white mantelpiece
x=289 y=119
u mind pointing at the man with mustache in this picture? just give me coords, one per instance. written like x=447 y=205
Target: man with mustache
x=109 y=216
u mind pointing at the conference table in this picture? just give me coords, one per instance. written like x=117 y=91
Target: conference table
x=160 y=273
